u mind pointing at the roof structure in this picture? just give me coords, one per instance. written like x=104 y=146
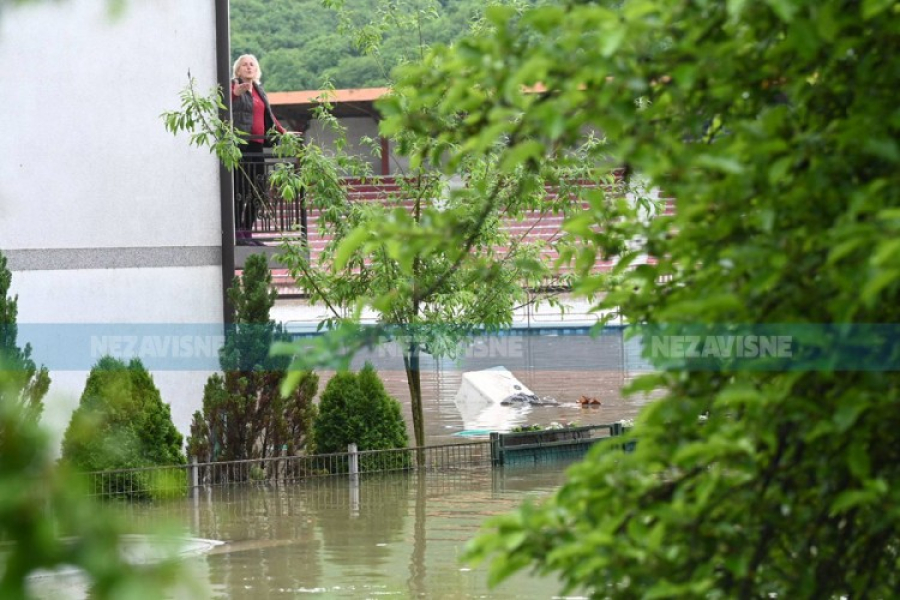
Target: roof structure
x=298 y=105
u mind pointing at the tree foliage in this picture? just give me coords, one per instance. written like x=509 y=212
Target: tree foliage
x=122 y=423
x=244 y=413
x=775 y=127
x=25 y=384
x=382 y=255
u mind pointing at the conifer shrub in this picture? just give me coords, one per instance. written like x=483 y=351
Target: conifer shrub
x=25 y=384
x=244 y=414
x=356 y=408
x=122 y=423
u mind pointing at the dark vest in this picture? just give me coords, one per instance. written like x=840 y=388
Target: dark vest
x=242 y=111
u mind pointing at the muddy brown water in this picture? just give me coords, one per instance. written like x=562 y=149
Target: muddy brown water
x=401 y=535
x=562 y=364
x=396 y=536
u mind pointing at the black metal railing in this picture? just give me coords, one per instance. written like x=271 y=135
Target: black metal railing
x=272 y=214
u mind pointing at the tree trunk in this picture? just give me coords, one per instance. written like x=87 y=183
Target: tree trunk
x=414 y=380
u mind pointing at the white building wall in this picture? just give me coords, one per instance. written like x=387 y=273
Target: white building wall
x=105 y=217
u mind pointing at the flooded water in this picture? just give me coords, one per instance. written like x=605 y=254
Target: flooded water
x=563 y=364
x=395 y=536
x=401 y=535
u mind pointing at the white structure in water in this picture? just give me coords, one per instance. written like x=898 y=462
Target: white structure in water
x=106 y=219
x=492 y=400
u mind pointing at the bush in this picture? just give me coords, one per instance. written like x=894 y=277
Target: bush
x=356 y=408
x=122 y=423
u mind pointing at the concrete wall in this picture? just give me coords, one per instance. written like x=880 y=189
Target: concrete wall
x=104 y=216
x=356 y=129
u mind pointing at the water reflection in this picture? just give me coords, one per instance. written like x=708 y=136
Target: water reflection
x=397 y=535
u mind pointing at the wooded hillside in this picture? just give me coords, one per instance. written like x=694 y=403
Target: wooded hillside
x=301 y=44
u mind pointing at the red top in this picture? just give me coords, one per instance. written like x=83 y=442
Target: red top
x=258 y=129
x=258 y=126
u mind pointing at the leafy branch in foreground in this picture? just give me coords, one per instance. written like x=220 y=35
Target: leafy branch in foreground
x=48 y=520
x=424 y=255
x=201 y=117
x=774 y=127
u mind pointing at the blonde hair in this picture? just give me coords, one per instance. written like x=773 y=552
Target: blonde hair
x=237 y=63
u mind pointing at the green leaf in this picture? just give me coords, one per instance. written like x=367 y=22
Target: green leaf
x=349 y=246
x=889 y=214
x=520 y=153
x=851 y=499
x=612 y=39
x=858 y=460
x=722 y=163
x=873 y=8
x=884 y=148
x=735 y=8
x=887 y=252
x=779 y=170
x=785 y=9
x=874 y=286
x=843 y=249
x=847 y=414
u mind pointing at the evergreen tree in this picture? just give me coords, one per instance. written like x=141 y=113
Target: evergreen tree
x=244 y=413
x=122 y=423
x=355 y=408
x=25 y=384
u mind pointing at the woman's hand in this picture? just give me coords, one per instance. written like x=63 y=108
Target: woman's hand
x=239 y=88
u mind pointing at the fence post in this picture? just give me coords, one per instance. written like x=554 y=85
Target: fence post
x=195 y=479
x=354 y=479
x=354 y=459
x=496 y=449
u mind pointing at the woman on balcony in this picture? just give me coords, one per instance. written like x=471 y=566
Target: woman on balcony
x=252 y=115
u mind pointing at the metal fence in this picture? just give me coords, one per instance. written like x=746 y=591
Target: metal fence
x=151 y=483
x=275 y=215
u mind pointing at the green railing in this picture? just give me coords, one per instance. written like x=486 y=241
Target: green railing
x=565 y=443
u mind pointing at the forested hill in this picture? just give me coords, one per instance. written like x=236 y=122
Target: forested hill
x=300 y=43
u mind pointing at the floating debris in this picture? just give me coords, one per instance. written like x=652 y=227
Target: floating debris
x=586 y=401
x=521 y=398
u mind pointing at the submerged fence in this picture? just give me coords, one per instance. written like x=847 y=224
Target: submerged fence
x=182 y=480
x=526 y=447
